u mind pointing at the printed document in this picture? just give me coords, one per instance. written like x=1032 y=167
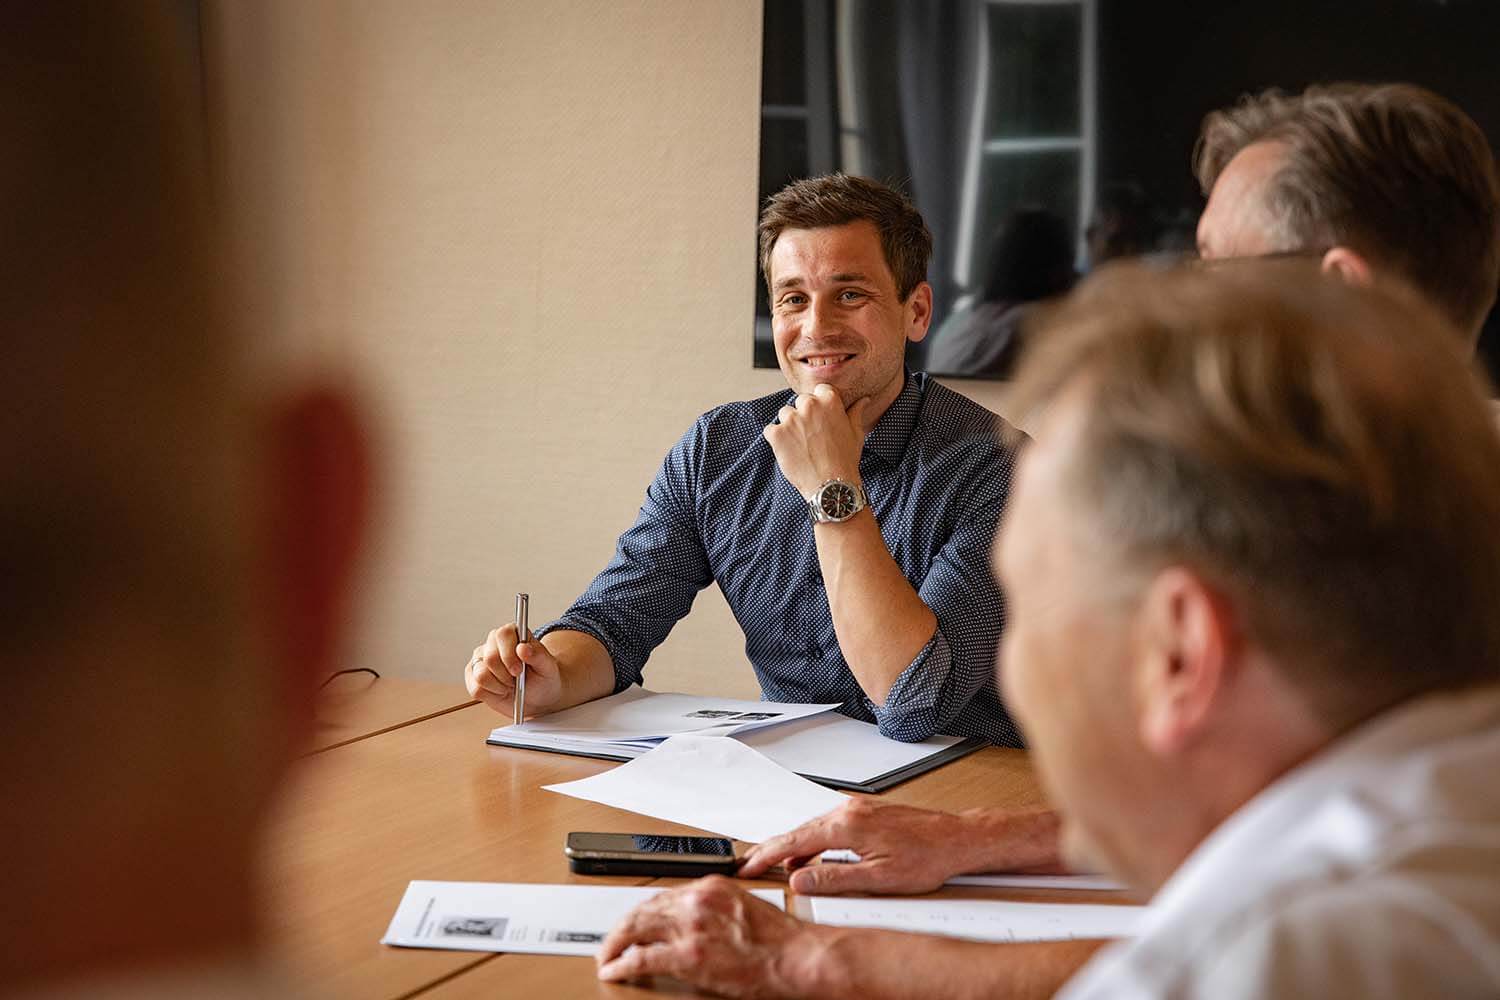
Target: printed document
x=501 y=916
x=978 y=919
x=718 y=785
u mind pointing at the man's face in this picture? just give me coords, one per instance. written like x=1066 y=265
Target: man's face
x=1066 y=654
x=835 y=315
x=1234 y=222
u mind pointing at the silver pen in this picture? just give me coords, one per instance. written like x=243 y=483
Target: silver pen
x=523 y=634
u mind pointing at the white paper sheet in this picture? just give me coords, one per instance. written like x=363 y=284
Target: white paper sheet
x=979 y=920
x=1005 y=880
x=1093 y=883
x=504 y=916
x=636 y=714
x=722 y=786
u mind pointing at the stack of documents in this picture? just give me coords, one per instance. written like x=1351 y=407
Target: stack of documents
x=812 y=740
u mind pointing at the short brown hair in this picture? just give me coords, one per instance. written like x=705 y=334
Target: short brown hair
x=838 y=199
x=1323 y=454
x=1392 y=170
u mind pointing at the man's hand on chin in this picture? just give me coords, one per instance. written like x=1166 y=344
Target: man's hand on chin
x=714 y=935
x=817 y=439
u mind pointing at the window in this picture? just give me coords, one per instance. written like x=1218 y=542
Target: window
x=1031 y=138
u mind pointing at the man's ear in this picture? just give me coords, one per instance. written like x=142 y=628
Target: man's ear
x=318 y=467
x=1348 y=265
x=1188 y=638
x=919 y=312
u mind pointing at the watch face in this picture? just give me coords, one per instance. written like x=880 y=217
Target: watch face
x=837 y=501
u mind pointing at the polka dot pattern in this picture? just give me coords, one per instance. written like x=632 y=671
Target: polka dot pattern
x=719 y=510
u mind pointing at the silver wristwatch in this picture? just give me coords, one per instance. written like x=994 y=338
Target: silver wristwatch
x=836 y=500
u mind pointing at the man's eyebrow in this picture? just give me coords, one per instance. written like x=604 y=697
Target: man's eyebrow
x=795 y=280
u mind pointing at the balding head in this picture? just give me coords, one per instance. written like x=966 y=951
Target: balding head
x=1282 y=436
x=1261 y=507
x=1392 y=172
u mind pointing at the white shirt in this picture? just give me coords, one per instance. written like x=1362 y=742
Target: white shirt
x=1372 y=870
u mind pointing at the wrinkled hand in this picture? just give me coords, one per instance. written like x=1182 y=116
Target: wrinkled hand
x=817 y=439
x=490 y=675
x=901 y=849
x=711 y=934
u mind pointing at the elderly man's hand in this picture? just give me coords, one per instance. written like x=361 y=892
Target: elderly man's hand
x=901 y=849
x=716 y=936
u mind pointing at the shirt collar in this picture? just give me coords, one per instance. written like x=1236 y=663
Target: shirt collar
x=891 y=432
x=1267 y=839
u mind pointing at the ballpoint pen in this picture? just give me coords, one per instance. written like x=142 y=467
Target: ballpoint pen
x=523 y=634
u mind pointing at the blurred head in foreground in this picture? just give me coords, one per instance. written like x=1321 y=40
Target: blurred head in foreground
x=1261 y=508
x=177 y=537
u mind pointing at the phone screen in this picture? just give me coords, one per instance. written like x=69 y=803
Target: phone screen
x=658 y=845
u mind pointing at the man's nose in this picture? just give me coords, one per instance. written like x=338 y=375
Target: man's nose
x=821 y=317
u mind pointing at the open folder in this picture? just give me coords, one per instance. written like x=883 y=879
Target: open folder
x=812 y=740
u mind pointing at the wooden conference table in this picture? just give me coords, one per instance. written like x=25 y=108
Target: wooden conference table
x=402 y=786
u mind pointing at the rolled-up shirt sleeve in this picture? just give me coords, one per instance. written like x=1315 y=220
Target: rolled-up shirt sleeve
x=658 y=568
x=960 y=587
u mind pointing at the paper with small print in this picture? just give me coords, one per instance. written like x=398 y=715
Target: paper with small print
x=722 y=786
x=980 y=919
x=516 y=917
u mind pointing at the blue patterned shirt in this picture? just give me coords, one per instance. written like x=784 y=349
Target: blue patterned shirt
x=936 y=472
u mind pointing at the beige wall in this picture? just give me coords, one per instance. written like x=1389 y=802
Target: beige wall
x=528 y=227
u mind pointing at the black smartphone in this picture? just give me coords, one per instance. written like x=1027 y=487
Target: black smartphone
x=649 y=854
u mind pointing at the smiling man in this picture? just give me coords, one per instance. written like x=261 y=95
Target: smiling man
x=847 y=521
